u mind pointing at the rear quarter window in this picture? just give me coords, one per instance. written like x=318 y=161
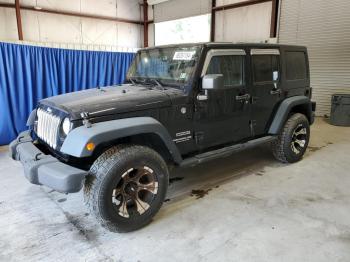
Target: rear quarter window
x=296 y=65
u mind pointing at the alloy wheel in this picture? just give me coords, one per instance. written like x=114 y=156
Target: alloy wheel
x=135 y=191
x=299 y=138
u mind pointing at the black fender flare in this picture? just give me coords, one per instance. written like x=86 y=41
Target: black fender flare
x=102 y=132
x=285 y=108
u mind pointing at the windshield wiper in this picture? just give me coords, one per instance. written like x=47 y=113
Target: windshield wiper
x=132 y=81
x=156 y=81
x=136 y=80
x=146 y=81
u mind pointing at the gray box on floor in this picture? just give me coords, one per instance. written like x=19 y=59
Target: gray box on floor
x=340 y=111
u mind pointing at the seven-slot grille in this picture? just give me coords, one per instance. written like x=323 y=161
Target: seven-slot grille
x=47 y=127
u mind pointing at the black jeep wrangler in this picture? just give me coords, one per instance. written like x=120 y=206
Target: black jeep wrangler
x=181 y=105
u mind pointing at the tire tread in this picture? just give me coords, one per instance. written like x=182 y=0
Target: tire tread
x=103 y=164
x=279 y=144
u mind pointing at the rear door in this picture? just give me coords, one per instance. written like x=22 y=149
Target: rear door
x=265 y=88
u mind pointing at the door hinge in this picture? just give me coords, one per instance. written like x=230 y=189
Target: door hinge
x=253 y=99
x=198 y=137
x=276 y=92
x=252 y=124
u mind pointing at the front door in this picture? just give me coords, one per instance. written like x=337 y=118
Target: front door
x=222 y=115
x=265 y=90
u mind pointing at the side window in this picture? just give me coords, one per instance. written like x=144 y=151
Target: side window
x=264 y=67
x=295 y=65
x=231 y=66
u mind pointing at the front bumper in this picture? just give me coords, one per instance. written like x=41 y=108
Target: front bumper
x=41 y=169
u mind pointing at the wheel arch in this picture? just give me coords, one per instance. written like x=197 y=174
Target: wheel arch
x=137 y=130
x=295 y=104
x=151 y=140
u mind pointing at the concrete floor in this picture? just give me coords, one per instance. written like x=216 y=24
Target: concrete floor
x=255 y=209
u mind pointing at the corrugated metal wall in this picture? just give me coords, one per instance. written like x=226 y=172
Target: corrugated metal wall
x=324 y=27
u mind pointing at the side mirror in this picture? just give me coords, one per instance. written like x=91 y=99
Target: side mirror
x=214 y=81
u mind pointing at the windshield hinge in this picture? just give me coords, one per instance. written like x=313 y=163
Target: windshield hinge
x=86 y=122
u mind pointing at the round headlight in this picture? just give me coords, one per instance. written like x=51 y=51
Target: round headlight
x=66 y=126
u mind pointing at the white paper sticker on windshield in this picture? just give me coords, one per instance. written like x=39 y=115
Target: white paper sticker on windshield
x=183 y=55
x=183 y=75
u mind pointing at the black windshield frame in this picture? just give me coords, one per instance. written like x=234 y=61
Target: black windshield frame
x=171 y=65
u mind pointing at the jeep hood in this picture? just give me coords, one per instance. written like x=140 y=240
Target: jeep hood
x=110 y=100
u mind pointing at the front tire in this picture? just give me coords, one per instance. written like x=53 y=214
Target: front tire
x=126 y=187
x=292 y=142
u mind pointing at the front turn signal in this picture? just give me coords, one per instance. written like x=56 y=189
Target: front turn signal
x=90 y=146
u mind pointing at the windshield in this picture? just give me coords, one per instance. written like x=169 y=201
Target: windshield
x=172 y=66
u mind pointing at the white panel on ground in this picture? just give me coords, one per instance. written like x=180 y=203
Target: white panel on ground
x=324 y=27
x=244 y=24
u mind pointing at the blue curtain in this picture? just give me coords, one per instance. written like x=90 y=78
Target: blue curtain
x=30 y=73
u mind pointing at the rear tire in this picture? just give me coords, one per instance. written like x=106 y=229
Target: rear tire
x=126 y=187
x=293 y=140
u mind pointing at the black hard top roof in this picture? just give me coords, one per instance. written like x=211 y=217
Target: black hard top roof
x=225 y=44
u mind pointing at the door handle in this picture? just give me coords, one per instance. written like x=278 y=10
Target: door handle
x=275 y=92
x=245 y=97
